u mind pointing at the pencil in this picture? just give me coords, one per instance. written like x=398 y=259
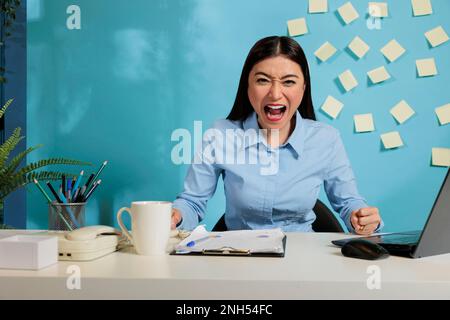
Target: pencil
x=51 y=203
x=72 y=217
x=95 y=185
x=88 y=182
x=63 y=184
x=99 y=171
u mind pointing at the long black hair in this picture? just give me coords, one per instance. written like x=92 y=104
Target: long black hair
x=267 y=48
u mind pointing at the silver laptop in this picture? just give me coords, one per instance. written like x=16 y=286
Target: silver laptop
x=432 y=240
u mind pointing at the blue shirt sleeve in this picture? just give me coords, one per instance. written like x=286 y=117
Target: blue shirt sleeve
x=340 y=185
x=199 y=186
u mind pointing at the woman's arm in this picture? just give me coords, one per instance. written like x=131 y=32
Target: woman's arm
x=340 y=187
x=199 y=186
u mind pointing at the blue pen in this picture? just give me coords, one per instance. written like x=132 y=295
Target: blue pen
x=194 y=242
x=64 y=200
x=77 y=182
x=69 y=189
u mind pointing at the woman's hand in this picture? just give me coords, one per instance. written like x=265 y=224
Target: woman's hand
x=176 y=218
x=365 y=220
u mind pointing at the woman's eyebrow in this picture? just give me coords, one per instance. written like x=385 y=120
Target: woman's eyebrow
x=283 y=77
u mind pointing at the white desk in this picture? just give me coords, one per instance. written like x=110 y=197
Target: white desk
x=311 y=269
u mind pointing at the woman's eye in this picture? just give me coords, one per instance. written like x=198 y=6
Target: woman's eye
x=262 y=81
x=289 y=82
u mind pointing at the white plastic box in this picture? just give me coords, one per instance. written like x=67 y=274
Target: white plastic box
x=28 y=252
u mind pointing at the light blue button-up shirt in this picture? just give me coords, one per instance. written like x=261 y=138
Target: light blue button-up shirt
x=277 y=187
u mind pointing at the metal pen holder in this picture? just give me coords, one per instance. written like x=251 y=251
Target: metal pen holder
x=66 y=216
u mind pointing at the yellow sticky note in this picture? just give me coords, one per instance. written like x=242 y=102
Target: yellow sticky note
x=421 y=7
x=440 y=157
x=436 y=36
x=443 y=114
x=318 y=6
x=325 y=51
x=378 y=75
x=347 y=80
x=363 y=122
x=391 y=140
x=426 y=67
x=358 y=47
x=378 y=9
x=402 y=111
x=392 y=50
x=348 y=13
x=297 y=27
x=332 y=107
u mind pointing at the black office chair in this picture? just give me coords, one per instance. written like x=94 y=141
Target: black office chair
x=325 y=221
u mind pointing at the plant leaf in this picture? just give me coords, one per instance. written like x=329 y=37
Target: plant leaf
x=9 y=145
x=3 y=109
x=15 y=162
x=47 y=162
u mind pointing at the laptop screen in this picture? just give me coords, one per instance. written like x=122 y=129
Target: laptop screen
x=435 y=238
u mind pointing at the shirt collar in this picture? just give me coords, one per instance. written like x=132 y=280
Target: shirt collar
x=295 y=142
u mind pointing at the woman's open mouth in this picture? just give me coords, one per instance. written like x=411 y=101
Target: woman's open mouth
x=274 y=112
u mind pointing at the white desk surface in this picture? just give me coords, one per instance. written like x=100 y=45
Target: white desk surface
x=312 y=269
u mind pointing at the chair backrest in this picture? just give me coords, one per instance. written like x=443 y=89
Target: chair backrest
x=325 y=221
x=220 y=224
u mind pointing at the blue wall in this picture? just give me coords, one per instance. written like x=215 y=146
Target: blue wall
x=117 y=88
x=16 y=116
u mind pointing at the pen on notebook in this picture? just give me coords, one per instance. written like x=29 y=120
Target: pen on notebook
x=50 y=202
x=194 y=242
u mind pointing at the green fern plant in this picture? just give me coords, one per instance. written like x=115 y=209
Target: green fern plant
x=12 y=177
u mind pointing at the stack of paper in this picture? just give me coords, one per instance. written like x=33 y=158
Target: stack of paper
x=246 y=241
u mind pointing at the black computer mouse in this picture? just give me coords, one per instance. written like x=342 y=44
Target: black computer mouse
x=364 y=249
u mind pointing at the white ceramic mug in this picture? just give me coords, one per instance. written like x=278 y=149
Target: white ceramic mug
x=150 y=226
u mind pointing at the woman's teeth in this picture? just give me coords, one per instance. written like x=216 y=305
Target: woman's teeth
x=274 y=113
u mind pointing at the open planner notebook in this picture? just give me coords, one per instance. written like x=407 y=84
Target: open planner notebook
x=266 y=243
